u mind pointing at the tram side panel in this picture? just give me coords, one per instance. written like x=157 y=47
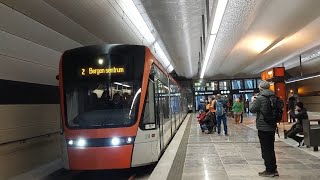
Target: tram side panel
x=146 y=146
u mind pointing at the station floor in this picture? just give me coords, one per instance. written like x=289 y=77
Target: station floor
x=238 y=156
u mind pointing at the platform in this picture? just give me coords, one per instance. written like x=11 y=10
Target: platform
x=237 y=156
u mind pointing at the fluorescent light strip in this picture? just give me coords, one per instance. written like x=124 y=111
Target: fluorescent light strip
x=221 y=8
x=161 y=54
x=130 y=9
x=212 y=39
x=296 y=80
x=312 y=56
x=120 y=84
x=134 y=15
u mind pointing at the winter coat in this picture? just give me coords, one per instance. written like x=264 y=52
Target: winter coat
x=302 y=115
x=208 y=120
x=237 y=107
x=260 y=106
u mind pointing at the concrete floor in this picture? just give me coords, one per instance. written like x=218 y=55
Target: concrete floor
x=238 y=156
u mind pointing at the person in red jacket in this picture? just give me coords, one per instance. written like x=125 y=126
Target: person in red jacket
x=201 y=117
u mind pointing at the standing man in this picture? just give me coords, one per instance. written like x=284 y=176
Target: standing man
x=266 y=132
x=291 y=107
x=220 y=107
x=246 y=105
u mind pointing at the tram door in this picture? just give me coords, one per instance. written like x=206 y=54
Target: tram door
x=158 y=112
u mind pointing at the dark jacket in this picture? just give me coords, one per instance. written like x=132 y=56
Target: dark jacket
x=291 y=103
x=302 y=114
x=209 y=120
x=260 y=107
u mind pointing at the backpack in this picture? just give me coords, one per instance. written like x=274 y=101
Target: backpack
x=275 y=110
x=219 y=108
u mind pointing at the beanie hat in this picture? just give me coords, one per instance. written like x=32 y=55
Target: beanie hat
x=264 y=85
x=299 y=104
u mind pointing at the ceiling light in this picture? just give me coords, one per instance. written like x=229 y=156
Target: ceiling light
x=170 y=68
x=212 y=39
x=132 y=12
x=221 y=8
x=312 y=56
x=291 y=61
x=100 y=61
x=278 y=44
x=161 y=54
x=260 y=44
x=135 y=17
x=117 y=83
x=302 y=78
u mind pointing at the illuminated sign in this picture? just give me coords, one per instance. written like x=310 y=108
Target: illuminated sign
x=203 y=93
x=101 y=71
x=246 y=91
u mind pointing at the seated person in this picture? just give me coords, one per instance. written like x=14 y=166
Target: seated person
x=202 y=115
x=297 y=127
x=207 y=121
x=117 y=101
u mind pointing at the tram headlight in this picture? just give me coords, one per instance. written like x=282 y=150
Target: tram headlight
x=81 y=142
x=129 y=140
x=115 y=141
x=70 y=142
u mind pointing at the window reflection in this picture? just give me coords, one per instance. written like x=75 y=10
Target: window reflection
x=224 y=85
x=237 y=84
x=250 y=84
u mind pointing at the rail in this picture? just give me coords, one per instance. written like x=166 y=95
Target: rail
x=29 y=138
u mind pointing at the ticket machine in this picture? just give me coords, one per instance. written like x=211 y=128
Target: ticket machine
x=276 y=77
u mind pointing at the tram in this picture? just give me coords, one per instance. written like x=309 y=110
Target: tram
x=119 y=107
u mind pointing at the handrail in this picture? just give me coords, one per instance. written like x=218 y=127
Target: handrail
x=33 y=137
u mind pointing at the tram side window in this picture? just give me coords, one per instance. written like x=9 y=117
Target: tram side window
x=162 y=95
x=148 y=116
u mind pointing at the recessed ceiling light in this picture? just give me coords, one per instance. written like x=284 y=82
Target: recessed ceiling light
x=100 y=61
x=260 y=44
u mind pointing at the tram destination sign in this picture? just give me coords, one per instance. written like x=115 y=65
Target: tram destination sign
x=101 y=71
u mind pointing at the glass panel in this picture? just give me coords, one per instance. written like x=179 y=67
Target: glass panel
x=250 y=84
x=236 y=96
x=224 y=85
x=258 y=82
x=102 y=104
x=200 y=88
x=237 y=84
x=213 y=86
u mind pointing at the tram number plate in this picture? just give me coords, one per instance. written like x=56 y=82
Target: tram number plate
x=150 y=126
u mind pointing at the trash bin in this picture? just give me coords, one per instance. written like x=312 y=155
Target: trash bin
x=311 y=133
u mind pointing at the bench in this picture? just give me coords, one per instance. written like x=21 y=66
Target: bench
x=311 y=131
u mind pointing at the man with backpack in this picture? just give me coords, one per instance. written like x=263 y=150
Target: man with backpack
x=220 y=108
x=266 y=124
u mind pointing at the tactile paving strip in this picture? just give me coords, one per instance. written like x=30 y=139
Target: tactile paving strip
x=178 y=162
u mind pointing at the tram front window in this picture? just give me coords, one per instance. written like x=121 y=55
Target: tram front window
x=101 y=105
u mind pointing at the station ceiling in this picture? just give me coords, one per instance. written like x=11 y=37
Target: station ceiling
x=253 y=35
